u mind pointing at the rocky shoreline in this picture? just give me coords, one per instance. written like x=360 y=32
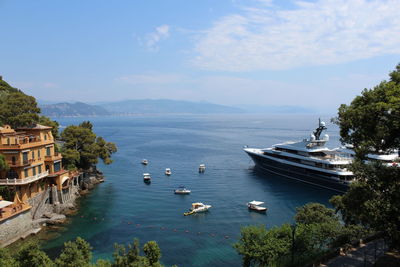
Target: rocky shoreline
x=48 y=209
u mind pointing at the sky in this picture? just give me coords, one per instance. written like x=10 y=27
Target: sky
x=316 y=54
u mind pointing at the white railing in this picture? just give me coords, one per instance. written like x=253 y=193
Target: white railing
x=22 y=181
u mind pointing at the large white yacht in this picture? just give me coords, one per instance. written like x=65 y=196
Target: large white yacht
x=310 y=161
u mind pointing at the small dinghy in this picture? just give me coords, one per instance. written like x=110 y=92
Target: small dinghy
x=182 y=190
x=255 y=205
x=168 y=171
x=145 y=162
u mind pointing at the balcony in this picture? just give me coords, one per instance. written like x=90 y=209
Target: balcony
x=26 y=143
x=23 y=181
x=19 y=163
x=56 y=156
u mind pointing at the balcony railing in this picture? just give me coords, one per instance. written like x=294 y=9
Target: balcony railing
x=23 y=181
x=19 y=163
x=56 y=156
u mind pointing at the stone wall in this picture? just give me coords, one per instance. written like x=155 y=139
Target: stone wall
x=15 y=228
x=44 y=205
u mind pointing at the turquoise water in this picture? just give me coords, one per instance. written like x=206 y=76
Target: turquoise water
x=124 y=207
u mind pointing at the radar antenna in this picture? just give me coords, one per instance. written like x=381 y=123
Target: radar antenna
x=318 y=131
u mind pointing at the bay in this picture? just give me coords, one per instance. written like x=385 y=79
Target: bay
x=124 y=207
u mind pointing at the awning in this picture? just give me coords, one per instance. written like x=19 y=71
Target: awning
x=4 y=203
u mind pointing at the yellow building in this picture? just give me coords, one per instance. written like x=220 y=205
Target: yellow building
x=34 y=163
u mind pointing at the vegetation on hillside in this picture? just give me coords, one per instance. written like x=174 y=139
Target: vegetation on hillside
x=78 y=253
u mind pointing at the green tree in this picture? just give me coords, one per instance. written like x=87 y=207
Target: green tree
x=152 y=252
x=90 y=147
x=3 y=163
x=261 y=247
x=31 y=255
x=374 y=202
x=312 y=213
x=75 y=254
x=6 y=259
x=18 y=110
x=372 y=121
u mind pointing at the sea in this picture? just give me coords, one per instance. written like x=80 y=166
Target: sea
x=124 y=207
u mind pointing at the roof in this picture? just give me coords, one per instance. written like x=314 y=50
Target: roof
x=4 y=203
x=256 y=202
x=36 y=127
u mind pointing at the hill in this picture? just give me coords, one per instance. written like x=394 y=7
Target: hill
x=157 y=106
x=73 y=110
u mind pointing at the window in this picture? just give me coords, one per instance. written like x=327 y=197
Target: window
x=34 y=170
x=38 y=153
x=57 y=166
x=25 y=157
x=48 y=151
x=33 y=154
x=40 y=169
x=13 y=160
x=45 y=137
x=26 y=173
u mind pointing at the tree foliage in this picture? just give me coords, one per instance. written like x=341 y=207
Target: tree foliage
x=372 y=121
x=372 y=124
x=31 y=255
x=82 y=148
x=3 y=163
x=20 y=110
x=76 y=253
x=374 y=202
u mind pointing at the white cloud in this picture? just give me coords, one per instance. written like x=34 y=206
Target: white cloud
x=311 y=34
x=160 y=33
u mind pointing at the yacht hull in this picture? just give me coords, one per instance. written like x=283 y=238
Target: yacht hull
x=297 y=173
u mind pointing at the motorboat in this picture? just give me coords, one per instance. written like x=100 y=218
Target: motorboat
x=202 y=168
x=145 y=162
x=197 y=208
x=146 y=177
x=182 y=190
x=168 y=171
x=255 y=205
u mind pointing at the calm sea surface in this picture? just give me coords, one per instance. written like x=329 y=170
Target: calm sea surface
x=124 y=207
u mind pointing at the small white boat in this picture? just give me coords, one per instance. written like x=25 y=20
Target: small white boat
x=182 y=190
x=145 y=162
x=146 y=178
x=197 y=207
x=202 y=168
x=255 y=205
x=168 y=171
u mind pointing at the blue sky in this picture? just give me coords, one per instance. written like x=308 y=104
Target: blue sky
x=316 y=54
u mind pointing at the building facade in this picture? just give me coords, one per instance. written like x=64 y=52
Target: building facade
x=34 y=164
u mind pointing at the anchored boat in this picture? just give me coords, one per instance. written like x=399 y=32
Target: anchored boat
x=182 y=190
x=197 y=207
x=146 y=177
x=145 y=162
x=255 y=205
x=168 y=171
x=202 y=168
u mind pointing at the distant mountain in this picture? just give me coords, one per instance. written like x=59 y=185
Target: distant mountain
x=162 y=106
x=276 y=109
x=72 y=110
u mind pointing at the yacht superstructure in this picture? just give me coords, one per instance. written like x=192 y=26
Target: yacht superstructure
x=308 y=161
